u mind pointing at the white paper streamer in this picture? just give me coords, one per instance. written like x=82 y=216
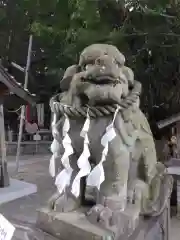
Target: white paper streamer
x=83 y=162
x=97 y=175
x=54 y=126
x=54 y=147
x=85 y=128
x=66 y=126
x=64 y=177
x=52 y=167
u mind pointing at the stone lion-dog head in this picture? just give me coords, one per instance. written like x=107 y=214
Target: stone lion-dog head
x=99 y=78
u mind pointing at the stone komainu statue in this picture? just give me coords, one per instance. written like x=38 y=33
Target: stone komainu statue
x=134 y=182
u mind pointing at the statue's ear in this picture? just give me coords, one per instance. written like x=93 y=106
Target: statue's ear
x=67 y=78
x=129 y=75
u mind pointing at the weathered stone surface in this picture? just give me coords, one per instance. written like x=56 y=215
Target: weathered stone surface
x=72 y=225
x=134 y=181
x=75 y=226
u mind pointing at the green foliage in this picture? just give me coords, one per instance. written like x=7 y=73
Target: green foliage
x=146 y=31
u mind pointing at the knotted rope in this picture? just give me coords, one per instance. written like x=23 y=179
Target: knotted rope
x=97 y=111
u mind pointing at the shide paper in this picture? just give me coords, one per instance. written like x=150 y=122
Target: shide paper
x=6 y=229
x=54 y=147
x=97 y=175
x=64 y=177
x=83 y=162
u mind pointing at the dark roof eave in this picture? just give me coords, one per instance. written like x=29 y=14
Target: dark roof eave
x=166 y=122
x=14 y=87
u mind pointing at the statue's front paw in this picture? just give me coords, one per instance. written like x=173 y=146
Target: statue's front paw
x=100 y=215
x=126 y=221
x=119 y=222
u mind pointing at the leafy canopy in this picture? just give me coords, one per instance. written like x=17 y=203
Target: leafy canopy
x=146 y=31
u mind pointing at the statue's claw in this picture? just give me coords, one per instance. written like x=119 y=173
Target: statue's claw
x=119 y=222
x=100 y=214
x=127 y=220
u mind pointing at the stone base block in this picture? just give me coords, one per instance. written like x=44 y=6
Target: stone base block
x=72 y=225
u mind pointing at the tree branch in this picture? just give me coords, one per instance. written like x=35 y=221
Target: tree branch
x=153 y=12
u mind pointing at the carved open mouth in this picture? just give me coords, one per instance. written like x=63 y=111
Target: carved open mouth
x=101 y=80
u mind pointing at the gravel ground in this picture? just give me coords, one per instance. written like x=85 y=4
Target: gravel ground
x=34 y=169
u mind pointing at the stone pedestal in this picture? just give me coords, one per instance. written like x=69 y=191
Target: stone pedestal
x=72 y=225
x=65 y=226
